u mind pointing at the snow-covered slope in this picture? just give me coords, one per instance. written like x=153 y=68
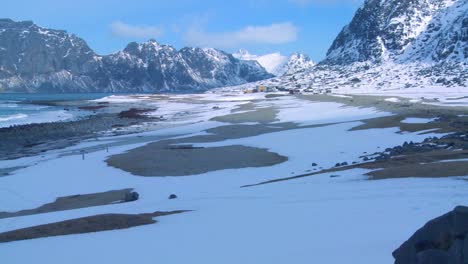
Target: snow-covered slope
x=278 y=64
x=36 y=59
x=397 y=47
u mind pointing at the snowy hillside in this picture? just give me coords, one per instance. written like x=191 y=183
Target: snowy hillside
x=278 y=64
x=394 y=47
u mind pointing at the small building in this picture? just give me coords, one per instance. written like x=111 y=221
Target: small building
x=294 y=91
x=262 y=88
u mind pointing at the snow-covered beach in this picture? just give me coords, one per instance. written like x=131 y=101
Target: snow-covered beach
x=311 y=205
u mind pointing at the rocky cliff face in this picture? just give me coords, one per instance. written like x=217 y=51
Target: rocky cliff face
x=443 y=240
x=35 y=59
x=423 y=30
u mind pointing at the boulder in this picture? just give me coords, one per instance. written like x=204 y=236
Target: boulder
x=442 y=240
x=131 y=196
x=172 y=196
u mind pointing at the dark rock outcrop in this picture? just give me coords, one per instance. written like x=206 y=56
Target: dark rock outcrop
x=131 y=196
x=442 y=240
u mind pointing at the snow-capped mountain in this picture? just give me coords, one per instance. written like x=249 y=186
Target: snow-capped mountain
x=298 y=62
x=278 y=64
x=402 y=31
x=394 y=45
x=36 y=59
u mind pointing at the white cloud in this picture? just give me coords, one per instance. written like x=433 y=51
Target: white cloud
x=124 y=30
x=272 y=34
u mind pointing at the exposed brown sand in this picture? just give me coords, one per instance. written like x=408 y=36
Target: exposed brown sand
x=163 y=158
x=260 y=115
x=425 y=164
x=159 y=159
x=83 y=225
x=73 y=202
x=402 y=107
x=182 y=161
x=426 y=170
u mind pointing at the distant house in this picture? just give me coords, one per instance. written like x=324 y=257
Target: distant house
x=294 y=91
x=261 y=88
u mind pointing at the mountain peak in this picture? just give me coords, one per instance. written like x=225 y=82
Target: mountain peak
x=51 y=60
x=278 y=64
x=384 y=30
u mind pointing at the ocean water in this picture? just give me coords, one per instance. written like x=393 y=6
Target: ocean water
x=19 y=109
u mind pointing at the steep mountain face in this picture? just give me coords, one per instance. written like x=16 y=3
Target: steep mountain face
x=278 y=64
x=422 y=30
x=35 y=59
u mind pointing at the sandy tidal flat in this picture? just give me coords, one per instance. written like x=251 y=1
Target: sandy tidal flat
x=330 y=217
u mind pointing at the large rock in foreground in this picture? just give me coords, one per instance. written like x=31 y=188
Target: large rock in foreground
x=441 y=241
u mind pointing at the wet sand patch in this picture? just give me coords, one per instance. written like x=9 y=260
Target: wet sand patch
x=432 y=164
x=152 y=160
x=142 y=161
x=97 y=223
x=422 y=170
x=75 y=202
x=260 y=115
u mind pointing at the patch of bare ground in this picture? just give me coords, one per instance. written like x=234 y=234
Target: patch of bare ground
x=187 y=160
x=434 y=157
x=422 y=170
x=164 y=158
x=96 y=223
x=260 y=115
x=77 y=202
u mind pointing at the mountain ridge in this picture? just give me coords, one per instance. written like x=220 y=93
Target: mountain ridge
x=37 y=59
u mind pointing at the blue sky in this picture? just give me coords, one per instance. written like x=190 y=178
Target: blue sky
x=259 y=26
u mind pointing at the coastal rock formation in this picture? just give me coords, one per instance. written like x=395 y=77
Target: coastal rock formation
x=37 y=59
x=442 y=240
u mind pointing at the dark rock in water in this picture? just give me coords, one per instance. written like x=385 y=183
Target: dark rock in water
x=442 y=240
x=131 y=196
x=172 y=196
x=314 y=164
